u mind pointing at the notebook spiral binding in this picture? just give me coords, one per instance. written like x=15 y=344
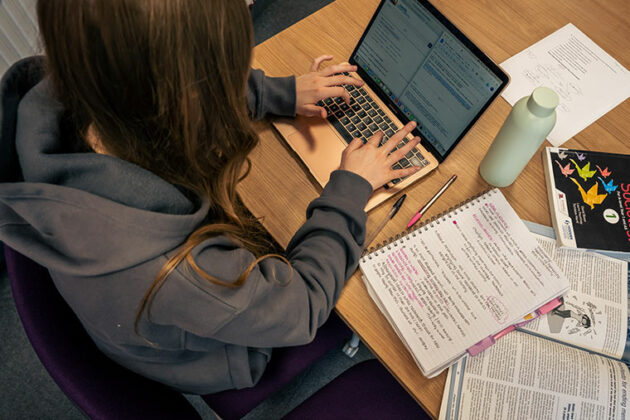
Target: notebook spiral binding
x=392 y=241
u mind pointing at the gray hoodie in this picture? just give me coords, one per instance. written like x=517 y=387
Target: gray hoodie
x=104 y=227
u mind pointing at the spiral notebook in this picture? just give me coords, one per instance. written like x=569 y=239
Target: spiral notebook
x=455 y=284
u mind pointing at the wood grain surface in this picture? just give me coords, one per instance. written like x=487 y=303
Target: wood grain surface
x=279 y=187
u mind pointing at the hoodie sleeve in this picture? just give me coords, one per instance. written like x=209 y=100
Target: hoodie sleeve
x=270 y=95
x=17 y=80
x=279 y=304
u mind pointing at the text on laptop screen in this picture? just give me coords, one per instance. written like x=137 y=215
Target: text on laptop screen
x=428 y=73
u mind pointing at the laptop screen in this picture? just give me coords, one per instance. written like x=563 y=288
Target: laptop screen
x=427 y=71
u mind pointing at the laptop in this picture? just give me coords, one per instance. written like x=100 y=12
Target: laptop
x=417 y=66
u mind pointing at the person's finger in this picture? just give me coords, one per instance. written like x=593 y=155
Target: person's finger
x=338 y=68
x=313 y=111
x=375 y=139
x=343 y=80
x=401 y=173
x=353 y=145
x=396 y=155
x=346 y=96
x=399 y=136
x=319 y=60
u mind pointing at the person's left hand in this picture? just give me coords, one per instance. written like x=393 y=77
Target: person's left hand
x=318 y=84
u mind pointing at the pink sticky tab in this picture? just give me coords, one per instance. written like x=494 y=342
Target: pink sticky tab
x=549 y=306
x=503 y=332
x=480 y=346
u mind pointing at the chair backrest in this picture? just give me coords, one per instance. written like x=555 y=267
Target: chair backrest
x=101 y=388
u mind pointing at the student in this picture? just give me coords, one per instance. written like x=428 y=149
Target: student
x=120 y=155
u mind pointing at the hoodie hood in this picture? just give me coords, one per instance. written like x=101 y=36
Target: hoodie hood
x=77 y=212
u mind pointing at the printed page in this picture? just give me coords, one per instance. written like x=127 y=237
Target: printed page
x=527 y=377
x=588 y=81
x=550 y=233
x=466 y=276
x=595 y=311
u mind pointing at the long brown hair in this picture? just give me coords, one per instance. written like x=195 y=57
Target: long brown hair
x=163 y=84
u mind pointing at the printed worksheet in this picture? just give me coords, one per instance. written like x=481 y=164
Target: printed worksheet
x=588 y=81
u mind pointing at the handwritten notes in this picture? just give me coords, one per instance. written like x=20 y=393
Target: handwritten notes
x=463 y=277
x=588 y=80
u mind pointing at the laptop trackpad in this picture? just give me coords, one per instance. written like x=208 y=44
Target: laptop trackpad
x=319 y=147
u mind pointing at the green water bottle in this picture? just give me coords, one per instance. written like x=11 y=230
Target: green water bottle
x=522 y=133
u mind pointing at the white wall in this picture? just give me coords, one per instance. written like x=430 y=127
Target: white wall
x=18 y=31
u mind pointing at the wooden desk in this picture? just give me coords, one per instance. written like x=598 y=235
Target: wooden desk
x=279 y=187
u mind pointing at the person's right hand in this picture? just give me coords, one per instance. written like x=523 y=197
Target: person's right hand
x=375 y=163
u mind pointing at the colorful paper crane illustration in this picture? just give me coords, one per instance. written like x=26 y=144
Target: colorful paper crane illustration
x=605 y=172
x=562 y=154
x=566 y=170
x=580 y=156
x=608 y=185
x=584 y=172
x=591 y=197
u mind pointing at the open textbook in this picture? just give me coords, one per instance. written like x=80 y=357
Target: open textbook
x=568 y=364
x=456 y=283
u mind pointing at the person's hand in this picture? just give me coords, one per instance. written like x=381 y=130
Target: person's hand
x=375 y=163
x=318 y=84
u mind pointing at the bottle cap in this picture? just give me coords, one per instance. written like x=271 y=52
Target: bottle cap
x=543 y=101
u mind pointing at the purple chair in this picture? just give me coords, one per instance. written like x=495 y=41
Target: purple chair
x=286 y=363
x=104 y=390
x=365 y=391
x=99 y=387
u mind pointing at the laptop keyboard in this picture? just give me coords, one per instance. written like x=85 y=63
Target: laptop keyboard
x=363 y=118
